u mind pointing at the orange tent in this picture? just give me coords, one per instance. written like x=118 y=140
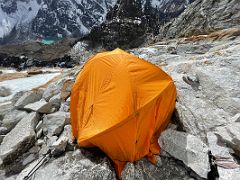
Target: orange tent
x=121 y=103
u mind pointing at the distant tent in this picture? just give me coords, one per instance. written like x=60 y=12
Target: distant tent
x=121 y=103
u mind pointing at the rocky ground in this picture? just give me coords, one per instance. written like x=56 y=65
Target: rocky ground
x=206 y=71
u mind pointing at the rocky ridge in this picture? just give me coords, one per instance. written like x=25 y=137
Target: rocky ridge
x=205 y=70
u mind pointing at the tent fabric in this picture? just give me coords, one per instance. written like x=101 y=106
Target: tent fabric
x=120 y=104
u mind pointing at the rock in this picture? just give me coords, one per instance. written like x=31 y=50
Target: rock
x=4 y=92
x=51 y=140
x=28 y=98
x=39 y=142
x=230 y=134
x=66 y=89
x=59 y=146
x=44 y=150
x=172 y=50
x=75 y=166
x=12 y=118
x=187 y=148
x=40 y=106
x=17 y=96
x=1 y=138
x=55 y=88
x=3 y=130
x=55 y=123
x=20 y=139
x=143 y=169
x=34 y=72
x=65 y=107
x=56 y=101
x=223 y=159
x=4 y=109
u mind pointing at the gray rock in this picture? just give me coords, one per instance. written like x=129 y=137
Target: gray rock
x=51 y=140
x=143 y=169
x=55 y=123
x=4 y=109
x=20 y=139
x=3 y=130
x=75 y=166
x=56 y=101
x=4 y=92
x=12 y=118
x=39 y=142
x=187 y=148
x=39 y=133
x=17 y=96
x=227 y=166
x=230 y=134
x=40 y=106
x=28 y=98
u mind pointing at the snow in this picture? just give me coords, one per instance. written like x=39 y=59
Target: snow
x=22 y=16
x=24 y=84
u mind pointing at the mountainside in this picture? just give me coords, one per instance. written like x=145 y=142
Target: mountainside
x=203 y=17
x=129 y=23
x=30 y=19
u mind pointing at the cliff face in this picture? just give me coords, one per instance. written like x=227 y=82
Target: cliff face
x=202 y=17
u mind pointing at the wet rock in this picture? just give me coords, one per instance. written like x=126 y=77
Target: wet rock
x=40 y=106
x=12 y=118
x=55 y=123
x=4 y=91
x=187 y=148
x=34 y=72
x=230 y=134
x=28 y=98
x=20 y=139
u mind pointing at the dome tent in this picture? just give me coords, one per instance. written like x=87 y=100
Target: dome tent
x=120 y=104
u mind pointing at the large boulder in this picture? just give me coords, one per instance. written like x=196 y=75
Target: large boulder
x=4 y=109
x=12 y=118
x=40 y=106
x=4 y=91
x=19 y=140
x=28 y=98
x=187 y=148
x=74 y=165
x=55 y=122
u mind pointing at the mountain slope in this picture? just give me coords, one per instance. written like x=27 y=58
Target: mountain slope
x=204 y=16
x=29 y=19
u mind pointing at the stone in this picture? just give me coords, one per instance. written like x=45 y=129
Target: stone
x=223 y=158
x=187 y=148
x=172 y=50
x=28 y=98
x=56 y=101
x=4 y=92
x=75 y=166
x=39 y=142
x=66 y=89
x=3 y=130
x=17 y=96
x=4 y=109
x=12 y=118
x=230 y=134
x=55 y=123
x=143 y=169
x=20 y=139
x=51 y=140
x=65 y=107
x=40 y=106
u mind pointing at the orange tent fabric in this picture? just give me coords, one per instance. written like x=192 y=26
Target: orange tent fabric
x=121 y=103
